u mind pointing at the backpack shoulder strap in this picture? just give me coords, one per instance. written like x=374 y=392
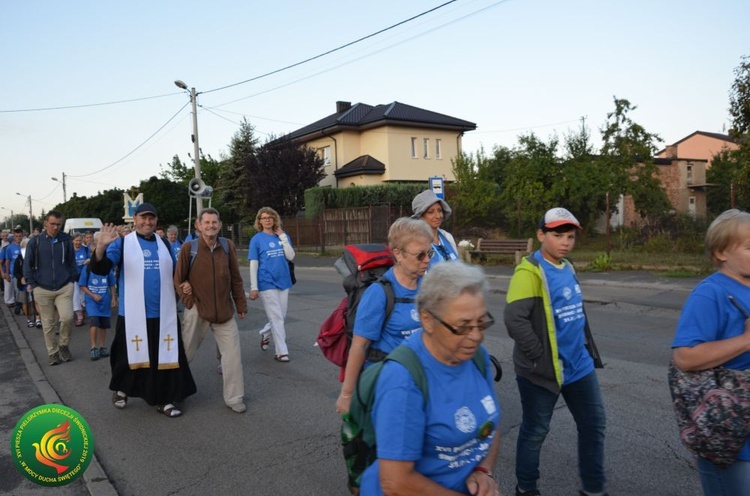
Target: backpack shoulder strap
x=224 y=244
x=410 y=361
x=390 y=298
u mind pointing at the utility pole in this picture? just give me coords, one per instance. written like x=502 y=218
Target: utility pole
x=196 y=147
x=65 y=194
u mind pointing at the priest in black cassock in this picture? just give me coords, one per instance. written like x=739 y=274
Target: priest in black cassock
x=147 y=356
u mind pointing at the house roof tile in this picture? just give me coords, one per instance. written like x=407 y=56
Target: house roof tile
x=361 y=115
x=364 y=164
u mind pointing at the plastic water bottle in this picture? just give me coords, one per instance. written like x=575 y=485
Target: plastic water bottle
x=351 y=448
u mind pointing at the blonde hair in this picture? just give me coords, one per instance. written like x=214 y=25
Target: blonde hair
x=273 y=213
x=404 y=230
x=724 y=233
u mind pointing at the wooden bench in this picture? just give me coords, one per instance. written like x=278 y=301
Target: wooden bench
x=517 y=247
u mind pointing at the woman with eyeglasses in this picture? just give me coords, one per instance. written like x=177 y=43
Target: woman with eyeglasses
x=448 y=441
x=373 y=338
x=431 y=209
x=269 y=253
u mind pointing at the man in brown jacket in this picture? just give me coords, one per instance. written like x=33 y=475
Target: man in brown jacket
x=209 y=283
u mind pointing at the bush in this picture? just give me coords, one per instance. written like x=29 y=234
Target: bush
x=601 y=263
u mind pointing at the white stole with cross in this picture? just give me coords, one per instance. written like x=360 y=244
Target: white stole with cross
x=136 y=335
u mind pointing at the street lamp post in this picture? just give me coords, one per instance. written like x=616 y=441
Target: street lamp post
x=31 y=215
x=196 y=148
x=65 y=194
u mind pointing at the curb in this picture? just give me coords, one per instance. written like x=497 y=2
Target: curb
x=96 y=479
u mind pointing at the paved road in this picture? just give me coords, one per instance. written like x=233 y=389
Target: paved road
x=287 y=442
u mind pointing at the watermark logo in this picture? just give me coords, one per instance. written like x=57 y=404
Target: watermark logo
x=52 y=445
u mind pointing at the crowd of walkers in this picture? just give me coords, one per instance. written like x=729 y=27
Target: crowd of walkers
x=442 y=439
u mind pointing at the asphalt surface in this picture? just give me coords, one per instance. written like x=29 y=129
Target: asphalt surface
x=23 y=384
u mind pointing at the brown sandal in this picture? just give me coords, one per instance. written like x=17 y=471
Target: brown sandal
x=118 y=400
x=169 y=410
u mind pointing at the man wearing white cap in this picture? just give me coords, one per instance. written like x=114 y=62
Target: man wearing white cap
x=554 y=354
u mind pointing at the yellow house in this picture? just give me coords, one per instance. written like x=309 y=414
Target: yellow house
x=364 y=145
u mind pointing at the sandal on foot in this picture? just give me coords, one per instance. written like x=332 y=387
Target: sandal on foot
x=265 y=341
x=119 y=400
x=281 y=358
x=169 y=410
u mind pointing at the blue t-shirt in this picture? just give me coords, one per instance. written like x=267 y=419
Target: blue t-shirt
x=445 y=439
x=273 y=267
x=708 y=315
x=404 y=320
x=570 y=321
x=12 y=252
x=99 y=285
x=82 y=254
x=443 y=251
x=151 y=278
x=176 y=247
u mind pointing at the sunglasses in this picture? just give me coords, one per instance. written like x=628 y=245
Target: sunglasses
x=465 y=329
x=422 y=254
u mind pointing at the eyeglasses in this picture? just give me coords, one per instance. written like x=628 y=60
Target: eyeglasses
x=266 y=218
x=422 y=254
x=465 y=329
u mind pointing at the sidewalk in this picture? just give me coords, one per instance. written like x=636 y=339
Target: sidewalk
x=23 y=386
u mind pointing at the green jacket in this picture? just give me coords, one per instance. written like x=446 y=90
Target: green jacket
x=529 y=321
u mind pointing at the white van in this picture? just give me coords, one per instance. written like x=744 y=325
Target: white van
x=82 y=225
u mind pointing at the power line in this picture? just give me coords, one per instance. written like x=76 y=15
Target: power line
x=333 y=49
x=67 y=107
x=134 y=149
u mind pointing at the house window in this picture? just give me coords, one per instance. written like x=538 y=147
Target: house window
x=438 y=148
x=414 y=147
x=325 y=154
x=691 y=206
x=690 y=173
x=426 y=143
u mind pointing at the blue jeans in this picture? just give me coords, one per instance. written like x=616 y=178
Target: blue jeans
x=585 y=403
x=731 y=481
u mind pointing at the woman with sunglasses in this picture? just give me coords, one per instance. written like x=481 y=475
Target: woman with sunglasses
x=431 y=209
x=448 y=441
x=373 y=338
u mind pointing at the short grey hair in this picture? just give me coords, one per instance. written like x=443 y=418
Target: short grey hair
x=404 y=230
x=446 y=281
x=173 y=229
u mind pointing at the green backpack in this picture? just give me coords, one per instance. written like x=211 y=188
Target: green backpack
x=357 y=429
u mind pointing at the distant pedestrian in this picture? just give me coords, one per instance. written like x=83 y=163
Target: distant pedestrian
x=554 y=354
x=174 y=240
x=270 y=252
x=12 y=252
x=210 y=286
x=433 y=210
x=50 y=271
x=100 y=298
x=82 y=259
x=147 y=356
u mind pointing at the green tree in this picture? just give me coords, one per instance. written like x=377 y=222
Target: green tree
x=170 y=199
x=476 y=194
x=626 y=154
x=739 y=100
x=278 y=174
x=722 y=175
x=525 y=189
x=232 y=183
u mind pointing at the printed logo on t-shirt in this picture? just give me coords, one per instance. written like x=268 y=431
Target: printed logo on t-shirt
x=466 y=422
x=414 y=315
x=577 y=289
x=489 y=405
x=271 y=244
x=146 y=253
x=567 y=293
x=94 y=280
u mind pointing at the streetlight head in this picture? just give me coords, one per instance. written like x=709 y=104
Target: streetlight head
x=180 y=84
x=54 y=179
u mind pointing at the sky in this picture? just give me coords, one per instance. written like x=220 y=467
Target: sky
x=510 y=66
